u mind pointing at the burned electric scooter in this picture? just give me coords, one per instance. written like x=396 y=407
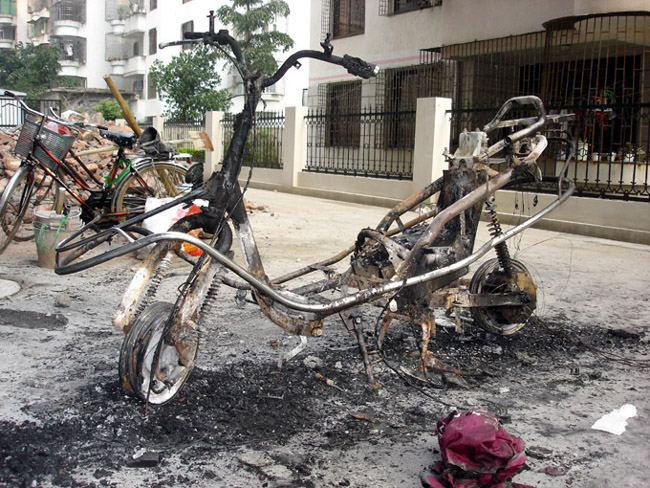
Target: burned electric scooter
x=410 y=268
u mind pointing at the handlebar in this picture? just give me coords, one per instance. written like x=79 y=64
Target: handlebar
x=355 y=66
x=52 y=115
x=81 y=125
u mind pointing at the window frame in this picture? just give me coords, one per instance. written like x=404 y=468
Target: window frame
x=341 y=30
x=153 y=46
x=343 y=99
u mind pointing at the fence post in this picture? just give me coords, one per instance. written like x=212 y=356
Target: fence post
x=158 y=123
x=294 y=144
x=215 y=133
x=432 y=133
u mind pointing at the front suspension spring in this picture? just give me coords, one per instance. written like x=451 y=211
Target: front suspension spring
x=210 y=298
x=155 y=281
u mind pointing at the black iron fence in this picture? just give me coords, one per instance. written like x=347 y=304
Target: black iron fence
x=612 y=154
x=264 y=145
x=376 y=144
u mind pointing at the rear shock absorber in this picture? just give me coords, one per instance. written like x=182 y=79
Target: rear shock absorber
x=501 y=249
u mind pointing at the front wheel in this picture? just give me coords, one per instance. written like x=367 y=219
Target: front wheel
x=150 y=366
x=150 y=179
x=15 y=201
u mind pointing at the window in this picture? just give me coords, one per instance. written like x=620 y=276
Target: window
x=153 y=41
x=187 y=27
x=406 y=5
x=348 y=18
x=151 y=88
x=8 y=7
x=402 y=89
x=153 y=4
x=343 y=114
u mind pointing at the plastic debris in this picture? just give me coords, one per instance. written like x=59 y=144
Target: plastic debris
x=615 y=421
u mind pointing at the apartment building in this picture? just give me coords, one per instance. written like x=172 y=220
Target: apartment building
x=121 y=38
x=589 y=57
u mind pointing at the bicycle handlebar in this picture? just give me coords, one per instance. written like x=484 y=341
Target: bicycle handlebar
x=52 y=115
x=78 y=124
x=355 y=66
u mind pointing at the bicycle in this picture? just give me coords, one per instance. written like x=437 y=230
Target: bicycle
x=409 y=269
x=45 y=144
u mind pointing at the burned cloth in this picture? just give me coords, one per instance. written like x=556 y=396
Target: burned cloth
x=477 y=452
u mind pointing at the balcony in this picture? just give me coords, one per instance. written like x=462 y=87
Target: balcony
x=67 y=17
x=135 y=24
x=135 y=66
x=66 y=28
x=36 y=15
x=7 y=43
x=118 y=26
x=69 y=67
x=118 y=66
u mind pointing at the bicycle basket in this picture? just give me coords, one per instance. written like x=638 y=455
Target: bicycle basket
x=56 y=142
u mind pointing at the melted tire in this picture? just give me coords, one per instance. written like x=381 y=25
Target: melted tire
x=137 y=356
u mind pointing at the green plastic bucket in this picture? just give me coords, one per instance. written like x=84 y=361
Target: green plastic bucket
x=51 y=228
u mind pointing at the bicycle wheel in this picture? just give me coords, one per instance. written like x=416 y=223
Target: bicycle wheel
x=14 y=203
x=150 y=179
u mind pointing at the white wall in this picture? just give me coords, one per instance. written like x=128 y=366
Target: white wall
x=168 y=18
x=396 y=40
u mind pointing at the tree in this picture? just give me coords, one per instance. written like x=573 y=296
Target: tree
x=109 y=109
x=29 y=68
x=189 y=83
x=249 y=21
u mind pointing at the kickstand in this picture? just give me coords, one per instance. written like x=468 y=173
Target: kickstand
x=354 y=321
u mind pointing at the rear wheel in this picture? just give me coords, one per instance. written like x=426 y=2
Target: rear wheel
x=151 y=179
x=15 y=202
x=504 y=319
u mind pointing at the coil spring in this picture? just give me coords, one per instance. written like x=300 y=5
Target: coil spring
x=501 y=249
x=154 y=282
x=210 y=298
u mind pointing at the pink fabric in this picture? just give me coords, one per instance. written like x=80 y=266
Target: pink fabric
x=477 y=452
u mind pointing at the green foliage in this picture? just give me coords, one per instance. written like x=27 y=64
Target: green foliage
x=29 y=68
x=189 y=84
x=109 y=109
x=198 y=155
x=249 y=21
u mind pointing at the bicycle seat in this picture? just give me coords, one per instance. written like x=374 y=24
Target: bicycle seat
x=122 y=139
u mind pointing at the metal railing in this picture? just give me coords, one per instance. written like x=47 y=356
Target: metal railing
x=264 y=146
x=11 y=114
x=175 y=130
x=376 y=144
x=612 y=154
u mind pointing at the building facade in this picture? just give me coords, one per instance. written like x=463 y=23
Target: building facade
x=590 y=57
x=120 y=38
